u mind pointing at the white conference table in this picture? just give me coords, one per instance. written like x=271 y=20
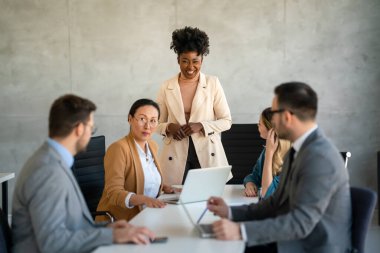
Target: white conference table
x=172 y=221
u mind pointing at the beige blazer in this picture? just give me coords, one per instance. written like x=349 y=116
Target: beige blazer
x=210 y=108
x=123 y=174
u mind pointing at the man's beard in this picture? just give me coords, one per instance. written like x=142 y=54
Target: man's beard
x=281 y=133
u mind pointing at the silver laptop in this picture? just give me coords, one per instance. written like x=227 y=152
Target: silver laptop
x=205 y=230
x=200 y=184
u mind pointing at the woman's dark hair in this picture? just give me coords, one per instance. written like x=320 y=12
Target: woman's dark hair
x=190 y=39
x=143 y=102
x=67 y=112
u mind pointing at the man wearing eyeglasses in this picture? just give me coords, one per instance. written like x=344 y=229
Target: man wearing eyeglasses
x=311 y=209
x=49 y=211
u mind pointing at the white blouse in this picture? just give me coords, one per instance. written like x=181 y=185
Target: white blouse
x=152 y=178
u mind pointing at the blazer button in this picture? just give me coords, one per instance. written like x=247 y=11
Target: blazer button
x=212 y=154
x=170 y=158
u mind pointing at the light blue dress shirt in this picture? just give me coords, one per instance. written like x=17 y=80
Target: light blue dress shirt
x=66 y=156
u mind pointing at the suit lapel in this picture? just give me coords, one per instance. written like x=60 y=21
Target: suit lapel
x=285 y=179
x=78 y=191
x=69 y=173
x=174 y=99
x=199 y=97
x=137 y=166
x=153 y=150
x=289 y=172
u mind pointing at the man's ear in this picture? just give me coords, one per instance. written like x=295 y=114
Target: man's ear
x=288 y=117
x=79 y=129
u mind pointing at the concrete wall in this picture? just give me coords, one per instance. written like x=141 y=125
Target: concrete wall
x=115 y=51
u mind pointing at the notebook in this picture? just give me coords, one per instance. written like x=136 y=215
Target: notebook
x=200 y=184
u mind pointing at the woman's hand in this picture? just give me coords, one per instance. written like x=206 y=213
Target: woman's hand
x=138 y=199
x=271 y=142
x=169 y=189
x=192 y=128
x=154 y=203
x=250 y=190
x=175 y=131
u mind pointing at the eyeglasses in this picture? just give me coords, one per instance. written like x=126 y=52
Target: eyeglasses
x=93 y=129
x=272 y=112
x=142 y=121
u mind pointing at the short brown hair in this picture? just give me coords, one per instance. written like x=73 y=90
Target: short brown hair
x=299 y=98
x=67 y=112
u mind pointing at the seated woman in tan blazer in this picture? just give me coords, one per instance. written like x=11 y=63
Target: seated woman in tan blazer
x=132 y=174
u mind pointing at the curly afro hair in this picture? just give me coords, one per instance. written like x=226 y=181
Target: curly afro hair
x=190 y=39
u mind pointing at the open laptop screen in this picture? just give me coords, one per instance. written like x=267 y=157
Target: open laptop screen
x=202 y=183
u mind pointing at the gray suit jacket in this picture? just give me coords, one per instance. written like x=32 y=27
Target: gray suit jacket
x=49 y=213
x=311 y=209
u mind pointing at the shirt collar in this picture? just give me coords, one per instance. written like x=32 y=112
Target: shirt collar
x=141 y=151
x=66 y=156
x=298 y=143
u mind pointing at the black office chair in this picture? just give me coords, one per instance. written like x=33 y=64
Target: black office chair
x=346 y=155
x=5 y=234
x=243 y=145
x=363 y=205
x=88 y=169
x=378 y=182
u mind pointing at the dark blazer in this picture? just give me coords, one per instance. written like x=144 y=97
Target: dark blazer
x=311 y=209
x=49 y=213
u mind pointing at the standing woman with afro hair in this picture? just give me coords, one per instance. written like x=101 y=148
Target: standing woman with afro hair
x=194 y=111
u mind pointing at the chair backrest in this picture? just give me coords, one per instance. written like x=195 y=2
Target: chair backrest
x=243 y=145
x=88 y=169
x=363 y=204
x=378 y=182
x=346 y=155
x=5 y=234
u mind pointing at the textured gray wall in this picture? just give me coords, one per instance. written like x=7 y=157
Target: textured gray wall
x=114 y=52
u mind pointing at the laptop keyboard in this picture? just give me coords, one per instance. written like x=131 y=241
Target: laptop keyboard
x=206 y=228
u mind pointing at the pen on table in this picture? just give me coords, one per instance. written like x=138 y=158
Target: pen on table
x=203 y=213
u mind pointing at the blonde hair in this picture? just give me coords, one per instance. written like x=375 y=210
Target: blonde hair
x=278 y=156
x=283 y=145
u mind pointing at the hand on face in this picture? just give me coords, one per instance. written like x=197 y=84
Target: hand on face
x=226 y=230
x=271 y=142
